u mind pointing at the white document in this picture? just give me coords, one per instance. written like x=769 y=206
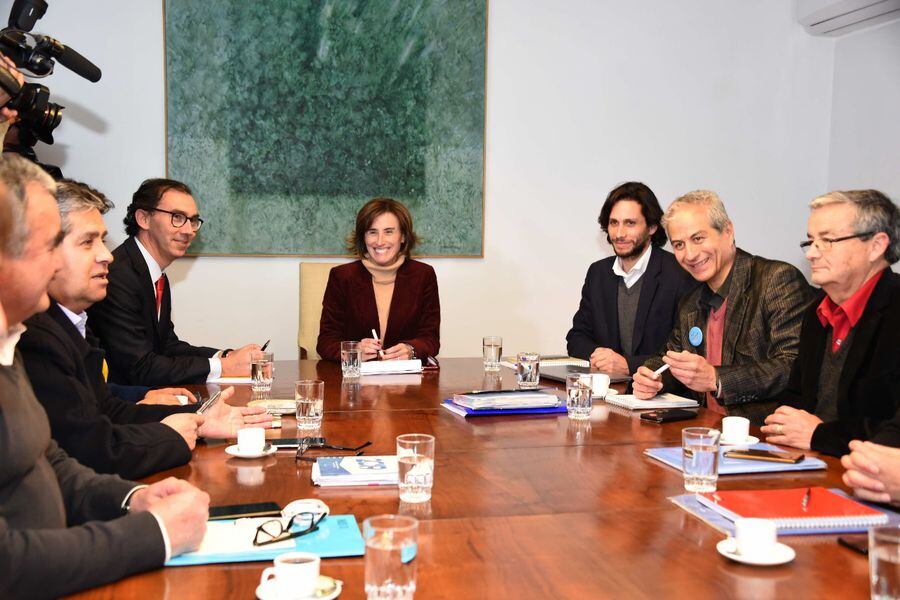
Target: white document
x=231 y=380
x=659 y=401
x=233 y=537
x=386 y=367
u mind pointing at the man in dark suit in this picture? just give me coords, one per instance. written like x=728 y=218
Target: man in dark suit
x=629 y=301
x=736 y=335
x=64 y=528
x=845 y=384
x=64 y=363
x=134 y=322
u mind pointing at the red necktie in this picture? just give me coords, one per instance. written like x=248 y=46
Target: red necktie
x=160 y=286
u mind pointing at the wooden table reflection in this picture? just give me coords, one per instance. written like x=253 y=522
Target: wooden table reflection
x=523 y=507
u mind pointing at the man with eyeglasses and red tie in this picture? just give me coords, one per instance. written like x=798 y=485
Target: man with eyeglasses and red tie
x=134 y=322
x=845 y=383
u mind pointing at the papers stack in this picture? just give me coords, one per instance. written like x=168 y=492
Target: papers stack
x=385 y=367
x=659 y=401
x=330 y=471
x=504 y=402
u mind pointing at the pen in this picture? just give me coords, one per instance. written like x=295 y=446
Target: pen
x=209 y=403
x=264 y=346
x=805 y=502
x=660 y=371
x=375 y=335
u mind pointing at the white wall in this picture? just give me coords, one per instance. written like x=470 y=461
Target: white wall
x=581 y=95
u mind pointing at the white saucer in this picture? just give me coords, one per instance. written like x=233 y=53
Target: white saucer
x=267 y=590
x=747 y=441
x=233 y=451
x=778 y=556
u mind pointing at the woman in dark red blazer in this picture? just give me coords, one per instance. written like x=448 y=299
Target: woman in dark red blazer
x=385 y=291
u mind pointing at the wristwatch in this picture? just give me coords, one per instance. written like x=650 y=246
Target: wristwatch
x=226 y=352
x=412 y=351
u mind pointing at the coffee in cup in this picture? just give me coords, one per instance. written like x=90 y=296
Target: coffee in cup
x=251 y=440
x=755 y=538
x=735 y=429
x=296 y=574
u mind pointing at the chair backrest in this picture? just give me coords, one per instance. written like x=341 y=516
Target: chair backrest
x=313 y=279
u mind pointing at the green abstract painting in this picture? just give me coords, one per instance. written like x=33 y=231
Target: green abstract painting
x=286 y=116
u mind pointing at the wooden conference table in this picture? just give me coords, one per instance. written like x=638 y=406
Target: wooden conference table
x=533 y=507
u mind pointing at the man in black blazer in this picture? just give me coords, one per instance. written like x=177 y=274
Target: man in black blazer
x=64 y=363
x=629 y=301
x=134 y=322
x=63 y=527
x=845 y=384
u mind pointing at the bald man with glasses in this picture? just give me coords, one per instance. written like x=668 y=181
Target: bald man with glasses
x=845 y=383
x=134 y=322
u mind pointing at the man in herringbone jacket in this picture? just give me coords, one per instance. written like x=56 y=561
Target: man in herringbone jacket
x=736 y=336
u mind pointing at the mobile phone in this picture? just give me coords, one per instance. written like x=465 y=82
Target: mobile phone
x=766 y=455
x=668 y=415
x=236 y=511
x=859 y=543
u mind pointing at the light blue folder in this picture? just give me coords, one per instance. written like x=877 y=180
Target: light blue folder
x=338 y=535
x=737 y=466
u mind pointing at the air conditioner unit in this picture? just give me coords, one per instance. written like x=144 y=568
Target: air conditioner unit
x=837 y=17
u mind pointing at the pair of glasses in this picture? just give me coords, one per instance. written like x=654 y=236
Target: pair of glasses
x=179 y=219
x=274 y=531
x=316 y=443
x=824 y=244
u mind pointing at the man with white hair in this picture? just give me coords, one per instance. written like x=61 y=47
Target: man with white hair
x=845 y=385
x=735 y=337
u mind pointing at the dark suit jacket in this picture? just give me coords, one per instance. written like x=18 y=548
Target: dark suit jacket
x=869 y=390
x=596 y=324
x=349 y=311
x=62 y=528
x=762 y=330
x=140 y=350
x=89 y=423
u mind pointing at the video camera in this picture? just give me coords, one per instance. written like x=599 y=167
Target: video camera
x=35 y=53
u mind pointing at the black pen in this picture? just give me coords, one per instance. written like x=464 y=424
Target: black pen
x=264 y=346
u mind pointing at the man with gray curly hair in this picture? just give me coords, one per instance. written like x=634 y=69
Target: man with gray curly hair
x=736 y=336
x=845 y=384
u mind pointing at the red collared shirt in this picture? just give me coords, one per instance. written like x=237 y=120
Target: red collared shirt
x=843 y=318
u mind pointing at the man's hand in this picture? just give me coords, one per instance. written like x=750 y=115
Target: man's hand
x=145 y=498
x=7 y=115
x=645 y=384
x=873 y=471
x=237 y=363
x=368 y=348
x=168 y=396
x=790 y=427
x=610 y=362
x=398 y=352
x=692 y=370
x=184 y=514
x=186 y=425
x=223 y=421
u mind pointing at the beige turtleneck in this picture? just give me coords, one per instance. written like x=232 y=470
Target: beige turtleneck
x=383 y=279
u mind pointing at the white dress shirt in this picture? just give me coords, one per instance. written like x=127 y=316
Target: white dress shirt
x=632 y=276
x=215 y=363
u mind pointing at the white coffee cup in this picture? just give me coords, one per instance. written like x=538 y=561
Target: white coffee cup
x=599 y=385
x=251 y=440
x=735 y=429
x=296 y=574
x=754 y=537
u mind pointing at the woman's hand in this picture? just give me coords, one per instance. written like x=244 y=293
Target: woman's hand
x=368 y=349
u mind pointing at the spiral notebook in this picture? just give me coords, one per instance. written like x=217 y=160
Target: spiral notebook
x=823 y=511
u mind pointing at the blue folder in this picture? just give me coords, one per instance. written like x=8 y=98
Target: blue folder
x=736 y=466
x=487 y=412
x=338 y=535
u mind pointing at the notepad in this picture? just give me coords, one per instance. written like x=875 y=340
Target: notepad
x=462 y=411
x=630 y=402
x=505 y=399
x=825 y=510
x=355 y=470
x=561 y=360
x=384 y=367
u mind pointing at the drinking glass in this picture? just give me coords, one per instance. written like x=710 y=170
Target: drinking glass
x=700 y=458
x=262 y=372
x=415 y=457
x=492 y=348
x=528 y=370
x=309 y=398
x=884 y=562
x=391 y=547
x=350 y=360
x=579 y=398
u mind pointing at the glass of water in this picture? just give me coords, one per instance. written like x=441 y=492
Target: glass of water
x=415 y=456
x=884 y=562
x=309 y=398
x=392 y=542
x=528 y=370
x=700 y=458
x=350 y=360
x=579 y=399
x=492 y=348
x=262 y=372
